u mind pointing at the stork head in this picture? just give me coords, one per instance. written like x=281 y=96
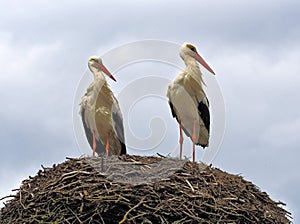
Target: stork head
x=95 y=64
x=188 y=50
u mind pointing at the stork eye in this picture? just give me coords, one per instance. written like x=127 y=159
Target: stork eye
x=193 y=49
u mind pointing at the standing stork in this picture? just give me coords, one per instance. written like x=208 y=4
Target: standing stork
x=101 y=114
x=187 y=99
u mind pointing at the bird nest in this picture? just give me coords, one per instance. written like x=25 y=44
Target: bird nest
x=135 y=189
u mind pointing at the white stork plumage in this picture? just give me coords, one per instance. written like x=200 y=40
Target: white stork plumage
x=101 y=114
x=187 y=99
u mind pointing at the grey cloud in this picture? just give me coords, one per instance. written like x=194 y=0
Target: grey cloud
x=230 y=21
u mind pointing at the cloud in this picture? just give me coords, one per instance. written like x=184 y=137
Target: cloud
x=282 y=135
x=32 y=114
x=16 y=60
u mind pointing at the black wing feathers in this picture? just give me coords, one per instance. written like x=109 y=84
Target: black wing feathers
x=204 y=114
x=172 y=110
x=120 y=131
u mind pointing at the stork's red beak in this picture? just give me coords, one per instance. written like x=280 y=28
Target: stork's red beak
x=104 y=69
x=202 y=62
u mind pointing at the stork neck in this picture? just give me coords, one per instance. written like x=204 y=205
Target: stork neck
x=97 y=74
x=192 y=68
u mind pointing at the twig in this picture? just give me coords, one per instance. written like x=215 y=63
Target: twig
x=134 y=207
x=193 y=190
x=21 y=201
x=9 y=196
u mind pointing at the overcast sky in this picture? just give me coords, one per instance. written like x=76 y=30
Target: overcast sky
x=254 y=48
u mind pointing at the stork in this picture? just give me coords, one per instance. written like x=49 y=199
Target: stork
x=101 y=114
x=187 y=99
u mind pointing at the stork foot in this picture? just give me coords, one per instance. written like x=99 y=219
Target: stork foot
x=94 y=144
x=107 y=144
x=180 y=139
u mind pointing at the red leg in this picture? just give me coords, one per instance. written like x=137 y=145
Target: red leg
x=94 y=144
x=180 y=139
x=107 y=144
x=194 y=140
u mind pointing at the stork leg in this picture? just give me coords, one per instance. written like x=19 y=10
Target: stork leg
x=180 y=139
x=194 y=140
x=94 y=144
x=107 y=144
